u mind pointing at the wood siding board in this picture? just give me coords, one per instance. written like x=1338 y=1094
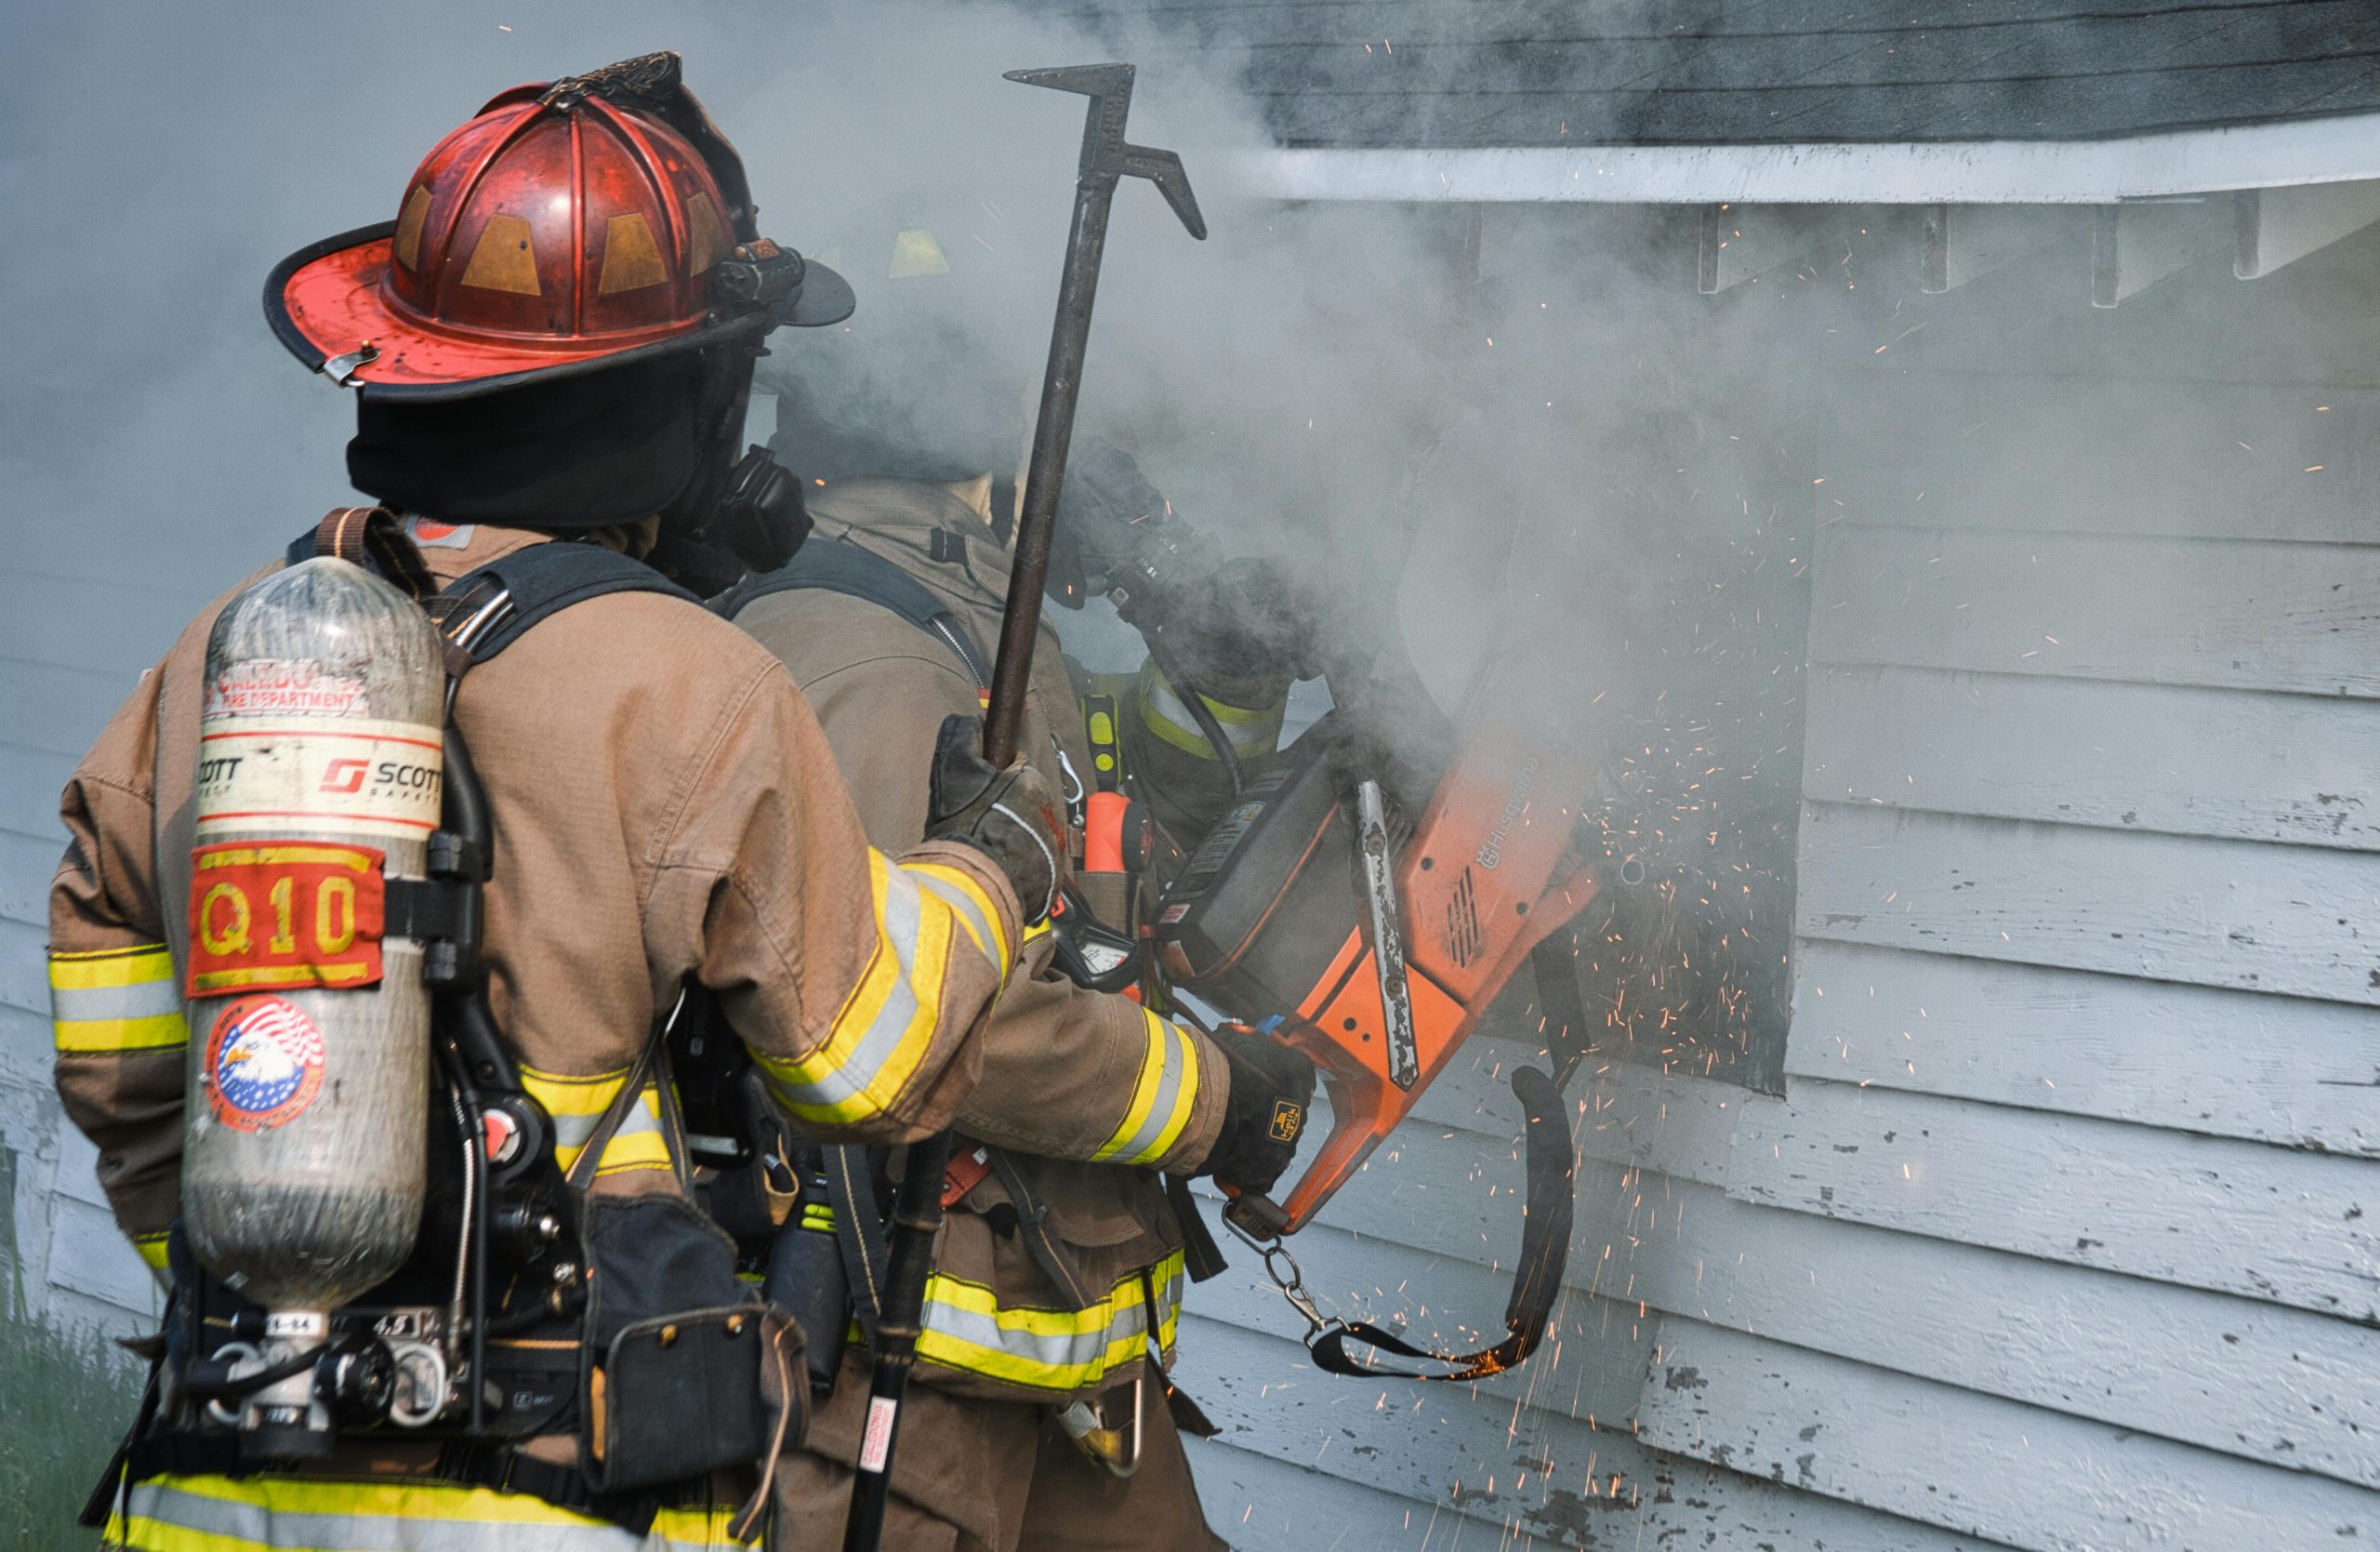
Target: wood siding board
x=2280 y=919
x=103 y=1322
x=1990 y=1468
x=2232 y=1373
x=30 y=780
x=88 y=1255
x=2288 y=1072
x=78 y=1168
x=28 y=1104
x=25 y=973
x=58 y=709
x=1449 y=1454
x=2280 y=1386
x=26 y=864
x=2297 y=618
x=2226 y=764
x=2292 y=1228
x=1672 y=1125
x=1255 y=1500
x=2079 y=453
x=105 y=626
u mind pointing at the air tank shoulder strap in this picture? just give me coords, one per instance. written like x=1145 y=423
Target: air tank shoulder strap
x=372 y=537
x=486 y=610
x=856 y=573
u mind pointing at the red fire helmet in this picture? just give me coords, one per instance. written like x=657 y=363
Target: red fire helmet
x=568 y=226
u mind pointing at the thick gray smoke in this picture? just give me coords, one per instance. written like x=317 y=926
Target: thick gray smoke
x=1467 y=424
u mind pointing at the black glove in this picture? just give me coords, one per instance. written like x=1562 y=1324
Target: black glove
x=1011 y=815
x=1271 y=1087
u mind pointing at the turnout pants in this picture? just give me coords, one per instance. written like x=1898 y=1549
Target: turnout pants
x=976 y=1475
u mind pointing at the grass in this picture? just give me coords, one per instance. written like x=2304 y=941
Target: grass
x=65 y=1399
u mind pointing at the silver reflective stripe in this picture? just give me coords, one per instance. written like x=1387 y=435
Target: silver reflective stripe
x=1247 y=738
x=898 y=931
x=1171 y=1072
x=573 y=1130
x=1077 y=1358
x=433 y=1531
x=955 y=898
x=91 y=1005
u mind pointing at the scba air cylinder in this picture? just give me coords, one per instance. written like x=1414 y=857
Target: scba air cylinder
x=319 y=772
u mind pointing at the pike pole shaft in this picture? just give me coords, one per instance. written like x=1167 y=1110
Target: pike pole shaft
x=917 y=1215
x=916 y=1218
x=1052 y=435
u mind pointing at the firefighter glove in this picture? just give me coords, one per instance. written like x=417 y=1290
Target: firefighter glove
x=1011 y=815
x=1264 y=1114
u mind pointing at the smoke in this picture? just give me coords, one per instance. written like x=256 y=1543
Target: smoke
x=1474 y=426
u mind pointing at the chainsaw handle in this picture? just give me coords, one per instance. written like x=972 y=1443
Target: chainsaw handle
x=1356 y=1100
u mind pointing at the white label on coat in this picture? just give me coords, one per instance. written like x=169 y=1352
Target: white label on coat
x=353 y=777
x=876 y=1443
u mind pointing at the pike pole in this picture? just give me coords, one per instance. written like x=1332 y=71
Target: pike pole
x=917 y=1211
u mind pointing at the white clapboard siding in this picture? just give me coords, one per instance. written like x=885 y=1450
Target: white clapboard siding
x=26 y=864
x=2231 y=764
x=30 y=782
x=90 y=1255
x=2237 y=1375
x=2296 y=1228
x=28 y=1102
x=1975 y=1463
x=1516 y=1482
x=2293 y=1071
x=1622 y=1113
x=1253 y=1500
x=108 y=626
x=55 y=709
x=2233 y=1374
x=2299 y=617
x=2084 y=455
x=24 y=976
x=2232 y=913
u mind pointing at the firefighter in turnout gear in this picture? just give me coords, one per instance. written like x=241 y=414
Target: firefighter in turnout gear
x=1045 y=1419
x=553 y=341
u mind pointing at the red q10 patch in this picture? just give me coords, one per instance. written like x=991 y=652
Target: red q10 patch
x=264 y=1063
x=285 y=916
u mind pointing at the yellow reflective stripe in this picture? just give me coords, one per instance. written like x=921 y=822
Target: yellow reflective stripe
x=152 y=1249
x=879 y=1036
x=110 y=967
x=1162 y=1096
x=1046 y=1349
x=163 y=1031
x=1252 y=730
x=268 y=1514
x=1038 y=930
x=577 y=1104
x=974 y=907
x=115 y=1000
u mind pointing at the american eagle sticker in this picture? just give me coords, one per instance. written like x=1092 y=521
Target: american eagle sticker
x=264 y=1063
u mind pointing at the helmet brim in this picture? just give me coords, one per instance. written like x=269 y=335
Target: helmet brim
x=325 y=302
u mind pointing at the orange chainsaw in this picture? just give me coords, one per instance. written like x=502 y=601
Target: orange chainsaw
x=1387 y=938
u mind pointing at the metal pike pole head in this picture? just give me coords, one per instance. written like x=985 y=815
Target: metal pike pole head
x=1106 y=157
x=1105 y=151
